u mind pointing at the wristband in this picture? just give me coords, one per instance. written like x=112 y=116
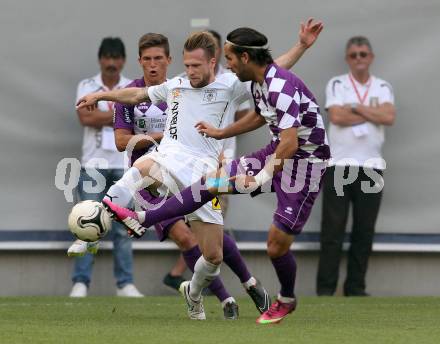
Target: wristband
x=262 y=177
x=217 y=182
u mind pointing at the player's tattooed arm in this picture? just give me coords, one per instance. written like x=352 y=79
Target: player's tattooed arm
x=308 y=34
x=129 y=95
x=249 y=122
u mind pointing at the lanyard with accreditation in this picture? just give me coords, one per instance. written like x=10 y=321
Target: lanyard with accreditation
x=360 y=130
x=368 y=85
x=108 y=134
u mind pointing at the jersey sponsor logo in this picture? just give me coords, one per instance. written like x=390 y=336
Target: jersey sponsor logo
x=210 y=96
x=141 y=123
x=176 y=94
x=173 y=123
x=127 y=118
x=216 y=204
x=289 y=210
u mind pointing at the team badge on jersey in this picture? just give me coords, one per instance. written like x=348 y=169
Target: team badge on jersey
x=210 y=96
x=216 y=204
x=176 y=93
x=143 y=107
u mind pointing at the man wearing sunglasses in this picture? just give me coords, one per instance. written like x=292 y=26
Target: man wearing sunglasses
x=359 y=105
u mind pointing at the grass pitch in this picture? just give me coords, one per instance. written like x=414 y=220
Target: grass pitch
x=163 y=320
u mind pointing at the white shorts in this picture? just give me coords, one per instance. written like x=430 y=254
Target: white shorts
x=182 y=169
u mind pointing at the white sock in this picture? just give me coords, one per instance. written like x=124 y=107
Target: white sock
x=250 y=283
x=229 y=299
x=204 y=273
x=122 y=192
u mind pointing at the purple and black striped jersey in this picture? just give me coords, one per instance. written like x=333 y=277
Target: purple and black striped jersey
x=285 y=102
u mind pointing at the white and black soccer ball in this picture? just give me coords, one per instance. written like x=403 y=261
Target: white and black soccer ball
x=89 y=221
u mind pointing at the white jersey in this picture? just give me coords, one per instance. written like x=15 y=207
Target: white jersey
x=188 y=105
x=360 y=144
x=229 y=144
x=100 y=143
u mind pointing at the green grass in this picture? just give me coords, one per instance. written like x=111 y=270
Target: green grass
x=163 y=320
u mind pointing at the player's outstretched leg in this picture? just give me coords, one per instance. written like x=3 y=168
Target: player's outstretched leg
x=126 y=216
x=178 y=205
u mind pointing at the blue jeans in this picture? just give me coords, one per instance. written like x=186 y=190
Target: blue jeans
x=122 y=250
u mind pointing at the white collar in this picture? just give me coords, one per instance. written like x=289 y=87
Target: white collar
x=121 y=83
x=369 y=81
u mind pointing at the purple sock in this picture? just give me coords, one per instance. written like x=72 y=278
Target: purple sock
x=190 y=256
x=218 y=289
x=173 y=207
x=285 y=267
x=233 y=259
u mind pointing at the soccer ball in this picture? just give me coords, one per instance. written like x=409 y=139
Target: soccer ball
x=89 y=221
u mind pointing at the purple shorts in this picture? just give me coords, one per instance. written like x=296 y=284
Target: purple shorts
x=162 y=228
x=296 y=187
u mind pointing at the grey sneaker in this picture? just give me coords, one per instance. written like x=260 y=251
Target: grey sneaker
x=79 y=248
x=129 y=290
x=79 y=289
x=260 y=297
x=195 y=308
x=230 y=311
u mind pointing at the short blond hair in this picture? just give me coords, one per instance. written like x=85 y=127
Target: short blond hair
x=201 y=40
